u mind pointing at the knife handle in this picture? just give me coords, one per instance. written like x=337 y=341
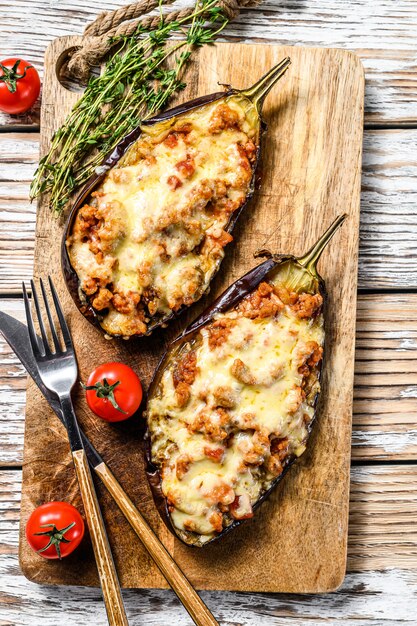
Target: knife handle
x=171 y=571
x=106 y=569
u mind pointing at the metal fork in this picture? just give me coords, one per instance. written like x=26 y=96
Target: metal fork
x=58 y=370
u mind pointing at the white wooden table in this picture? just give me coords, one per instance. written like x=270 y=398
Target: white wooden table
x=381 y=584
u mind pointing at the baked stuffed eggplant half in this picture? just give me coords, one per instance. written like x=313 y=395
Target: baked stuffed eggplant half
x=146 y=236
x=233 y=401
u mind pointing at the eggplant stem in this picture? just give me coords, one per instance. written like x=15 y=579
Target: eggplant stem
x=309 y=261
x=258 y=92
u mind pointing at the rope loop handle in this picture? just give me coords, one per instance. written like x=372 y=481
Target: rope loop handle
x=97 y=36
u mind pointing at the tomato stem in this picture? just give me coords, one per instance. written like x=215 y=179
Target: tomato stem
x=11 y=76
x=106 y=391
x=56 y=537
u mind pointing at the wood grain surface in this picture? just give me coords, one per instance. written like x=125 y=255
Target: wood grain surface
x=382 y=33
x=312 y=173
x=377 y=591
x=162 y=559
x=385 y=391
x=109 y=582
x=388 y=241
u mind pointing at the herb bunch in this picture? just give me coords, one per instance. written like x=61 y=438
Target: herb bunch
x=135 y=84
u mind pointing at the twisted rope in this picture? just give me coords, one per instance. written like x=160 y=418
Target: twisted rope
x=97 y=37
x=108 y=20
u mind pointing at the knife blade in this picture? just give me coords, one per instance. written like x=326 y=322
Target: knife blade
x=17 y=336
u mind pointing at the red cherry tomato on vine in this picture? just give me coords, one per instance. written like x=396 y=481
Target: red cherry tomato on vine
x=54 y=530
x=19 y=86
x=113 y=392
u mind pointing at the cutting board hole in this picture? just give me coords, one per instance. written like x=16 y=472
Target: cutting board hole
x=69 y=83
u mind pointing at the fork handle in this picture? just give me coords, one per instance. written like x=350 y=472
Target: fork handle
x=106 y=569
x=172 y=572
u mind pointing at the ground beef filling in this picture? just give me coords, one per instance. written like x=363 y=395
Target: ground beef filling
x=263 y=452
x=188 y=233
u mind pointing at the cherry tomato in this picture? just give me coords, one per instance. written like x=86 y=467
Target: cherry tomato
x=19 y=86
x=113 y=392
x=55 y=529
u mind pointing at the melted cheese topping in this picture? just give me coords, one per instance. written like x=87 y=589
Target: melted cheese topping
x=154 y=231
x=215 y=464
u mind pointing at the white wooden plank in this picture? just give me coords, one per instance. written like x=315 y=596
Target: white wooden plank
x=382 y=33
x=19 y=153
x=382 y=532
x=388 y=245
x=383 y=597
x=388 y=233
x=385 y=391
x=384 y=410
x=383 y=508
x=12 y=394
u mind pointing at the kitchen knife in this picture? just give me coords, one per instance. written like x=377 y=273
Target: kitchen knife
x=17 y=336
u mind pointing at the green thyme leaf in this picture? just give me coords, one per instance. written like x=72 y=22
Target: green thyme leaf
x=138 y=80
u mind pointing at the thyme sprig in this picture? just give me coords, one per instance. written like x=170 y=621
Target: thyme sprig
x=138 y=80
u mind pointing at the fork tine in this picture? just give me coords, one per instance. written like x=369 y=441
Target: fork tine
x=40 y=320
x=64 y=327
x=51 y=321
x=31 y=328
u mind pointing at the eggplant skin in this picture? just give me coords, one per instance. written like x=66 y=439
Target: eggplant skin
x=83 y=301
x=193 y=540
x=162 y=208
x=231 y=298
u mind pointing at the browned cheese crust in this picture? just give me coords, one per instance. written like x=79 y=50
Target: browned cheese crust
x=151 y=236
x=235 y=407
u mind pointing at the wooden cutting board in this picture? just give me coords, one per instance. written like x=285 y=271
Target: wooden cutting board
x=311 y=173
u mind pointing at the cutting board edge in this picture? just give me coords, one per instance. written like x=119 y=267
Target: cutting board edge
x=74 y=40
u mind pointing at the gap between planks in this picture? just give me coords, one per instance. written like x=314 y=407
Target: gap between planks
x=385 y=392
x=382 y=34
x=383 y=505
x=388 y=234
x=382 y=547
